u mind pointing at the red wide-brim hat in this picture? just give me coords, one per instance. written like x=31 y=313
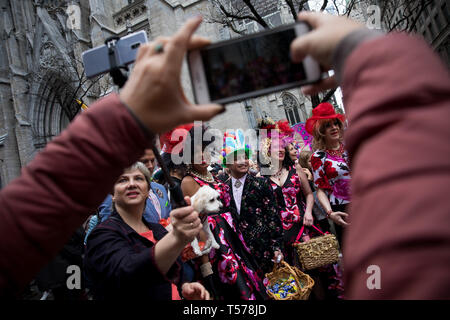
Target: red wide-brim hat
x=324 y=110
x=172 y=138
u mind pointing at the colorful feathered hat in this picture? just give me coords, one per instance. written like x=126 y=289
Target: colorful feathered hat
x=234 y=141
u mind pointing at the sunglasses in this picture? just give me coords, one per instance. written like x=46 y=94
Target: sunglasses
x=330 y=123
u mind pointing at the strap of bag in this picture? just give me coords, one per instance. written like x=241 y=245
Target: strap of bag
x=301 y=232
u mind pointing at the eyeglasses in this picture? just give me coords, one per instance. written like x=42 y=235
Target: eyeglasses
x=330 y=123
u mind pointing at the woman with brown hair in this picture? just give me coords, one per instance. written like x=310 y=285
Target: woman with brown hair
x=289 y=184
x=329 y=163
x=295 y=202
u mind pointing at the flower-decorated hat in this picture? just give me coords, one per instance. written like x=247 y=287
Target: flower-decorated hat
x=324 y=110
x=234 y=141
x=279 y=129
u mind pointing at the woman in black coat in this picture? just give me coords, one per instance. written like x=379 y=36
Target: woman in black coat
x=129 y=258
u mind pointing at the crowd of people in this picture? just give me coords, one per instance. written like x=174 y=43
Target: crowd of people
x=260 y=219
x=138 y=242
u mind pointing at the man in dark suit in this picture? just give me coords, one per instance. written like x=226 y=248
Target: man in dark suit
x=254 y=207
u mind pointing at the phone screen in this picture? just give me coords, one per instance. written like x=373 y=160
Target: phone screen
x=250 y=65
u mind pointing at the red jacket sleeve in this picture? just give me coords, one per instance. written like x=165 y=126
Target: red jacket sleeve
x=61 y=186
x=397 y=96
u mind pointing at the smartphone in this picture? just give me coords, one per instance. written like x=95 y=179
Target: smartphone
x=250 y=66
x=96 y=60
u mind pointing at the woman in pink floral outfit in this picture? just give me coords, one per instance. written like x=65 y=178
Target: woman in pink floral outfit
x=329 y=163
x=232 y=268
x=295 y=201
x=290 y=185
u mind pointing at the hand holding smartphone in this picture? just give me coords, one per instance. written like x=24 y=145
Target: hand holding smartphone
x=250 y=66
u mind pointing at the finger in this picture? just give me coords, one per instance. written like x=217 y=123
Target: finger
x=192 y=217
x=192 y=220
x=198 y=42
x=149 y=48
x=203 y=112
x=191 y=230
x=159 y=41
x=342 y=214
x=196 y=292
x=176 y=48
x=312 y=18
x=323 y=85
x=143 y=51
x=185 y=33
x=194 y=225
x=188 y=289
x=206 y=295
x=188 y=200
x=181 y=213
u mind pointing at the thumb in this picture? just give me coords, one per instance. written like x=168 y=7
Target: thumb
x=312 y=18
x=187 y=290
x=198 y=42
x=301 y=47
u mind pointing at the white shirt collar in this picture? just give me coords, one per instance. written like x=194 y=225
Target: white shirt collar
x=233 y=179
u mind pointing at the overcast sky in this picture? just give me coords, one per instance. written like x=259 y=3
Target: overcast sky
x=315 y=5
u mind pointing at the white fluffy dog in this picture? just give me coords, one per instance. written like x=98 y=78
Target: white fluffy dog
x=205 y=200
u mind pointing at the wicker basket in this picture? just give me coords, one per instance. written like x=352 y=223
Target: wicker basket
x=318 y=252
x=303 y=281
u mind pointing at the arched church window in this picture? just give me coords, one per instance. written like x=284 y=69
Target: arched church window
x=294 y=112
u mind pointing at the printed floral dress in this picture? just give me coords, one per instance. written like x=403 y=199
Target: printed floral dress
x=332 y=174
x=292 y=210
x=235 y=270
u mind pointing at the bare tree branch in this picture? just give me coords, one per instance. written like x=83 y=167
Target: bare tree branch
x=324 y=5
x=292 y=8
x=349 y=8
x=259 y=19
x=329 y=95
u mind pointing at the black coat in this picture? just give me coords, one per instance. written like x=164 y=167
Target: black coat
x=259 y=219
x=54 y=275
x=120 y=263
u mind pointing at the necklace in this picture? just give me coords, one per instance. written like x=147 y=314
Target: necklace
x=278 y=176
x=208 y=177
x=336 y=153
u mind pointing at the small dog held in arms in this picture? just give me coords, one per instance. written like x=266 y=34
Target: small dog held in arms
x=205 y=200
